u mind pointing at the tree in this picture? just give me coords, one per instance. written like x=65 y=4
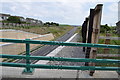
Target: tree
x=51 y=24
x=14 y=19
x=104 y=28
x=57 y=24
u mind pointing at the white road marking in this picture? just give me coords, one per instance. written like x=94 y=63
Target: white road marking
x=54 y=52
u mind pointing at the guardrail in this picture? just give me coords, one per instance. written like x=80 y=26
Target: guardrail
x=28 y=41
x=29 y=67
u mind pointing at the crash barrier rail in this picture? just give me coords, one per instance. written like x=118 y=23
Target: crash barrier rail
x=30 y=67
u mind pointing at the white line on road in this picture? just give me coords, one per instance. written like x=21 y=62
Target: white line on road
x=54 y=52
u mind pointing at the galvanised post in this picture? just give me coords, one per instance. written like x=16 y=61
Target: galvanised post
x=28 y=70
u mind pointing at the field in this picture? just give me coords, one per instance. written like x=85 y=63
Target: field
x=112 y=42
x=57 y=31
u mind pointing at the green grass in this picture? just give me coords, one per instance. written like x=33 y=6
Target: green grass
x=115 y=42
x=79 y=32
x=112 y=34
x=56 y=30
x=109 y=57
x=112 y=42
x=106 y=64
x=111 y=51
x=64 y=25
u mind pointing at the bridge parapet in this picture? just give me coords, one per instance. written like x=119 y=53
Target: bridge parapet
x=29 y=67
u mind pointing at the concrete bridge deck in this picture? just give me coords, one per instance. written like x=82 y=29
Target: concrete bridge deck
x=13 y=72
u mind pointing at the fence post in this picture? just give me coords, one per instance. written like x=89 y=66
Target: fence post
x=93 y=55
x=84 y=32
x=28 y=70
x=107 y=41
x=89 y=34
x=95 y=32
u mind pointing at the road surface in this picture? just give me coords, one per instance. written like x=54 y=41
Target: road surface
x=48 y=48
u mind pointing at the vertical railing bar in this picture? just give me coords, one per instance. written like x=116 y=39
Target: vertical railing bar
x=28 y=69
x=28 y=56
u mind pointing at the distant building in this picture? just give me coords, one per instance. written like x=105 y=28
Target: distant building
x=118 y=23
x=4 y=16
x=22 y=19
x=40 y=22
x=37 y=21
x=30 y=20
x=34 y=21
x=118 y=27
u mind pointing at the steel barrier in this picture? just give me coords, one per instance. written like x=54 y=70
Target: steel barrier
x=29 y=67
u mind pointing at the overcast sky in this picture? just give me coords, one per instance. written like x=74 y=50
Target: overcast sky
x=62 y=11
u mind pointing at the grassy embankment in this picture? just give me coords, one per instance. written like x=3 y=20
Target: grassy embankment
x=56 y=30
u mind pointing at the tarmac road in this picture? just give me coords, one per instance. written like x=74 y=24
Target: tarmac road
x=48 y=48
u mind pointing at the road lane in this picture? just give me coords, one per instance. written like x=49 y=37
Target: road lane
x=48 y=48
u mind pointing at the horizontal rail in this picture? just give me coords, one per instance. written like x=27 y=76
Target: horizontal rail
x=60 y=67
x=60 y=59
x=59 y=43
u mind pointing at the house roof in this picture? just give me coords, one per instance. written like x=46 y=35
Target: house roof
x=29 y=19
x=4 y=14
x=118 y=23
x=20 y=17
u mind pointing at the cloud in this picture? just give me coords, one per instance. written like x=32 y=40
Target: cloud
x=113 y=7
x=110 y=13
x=63 y=11
x=64 y=1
